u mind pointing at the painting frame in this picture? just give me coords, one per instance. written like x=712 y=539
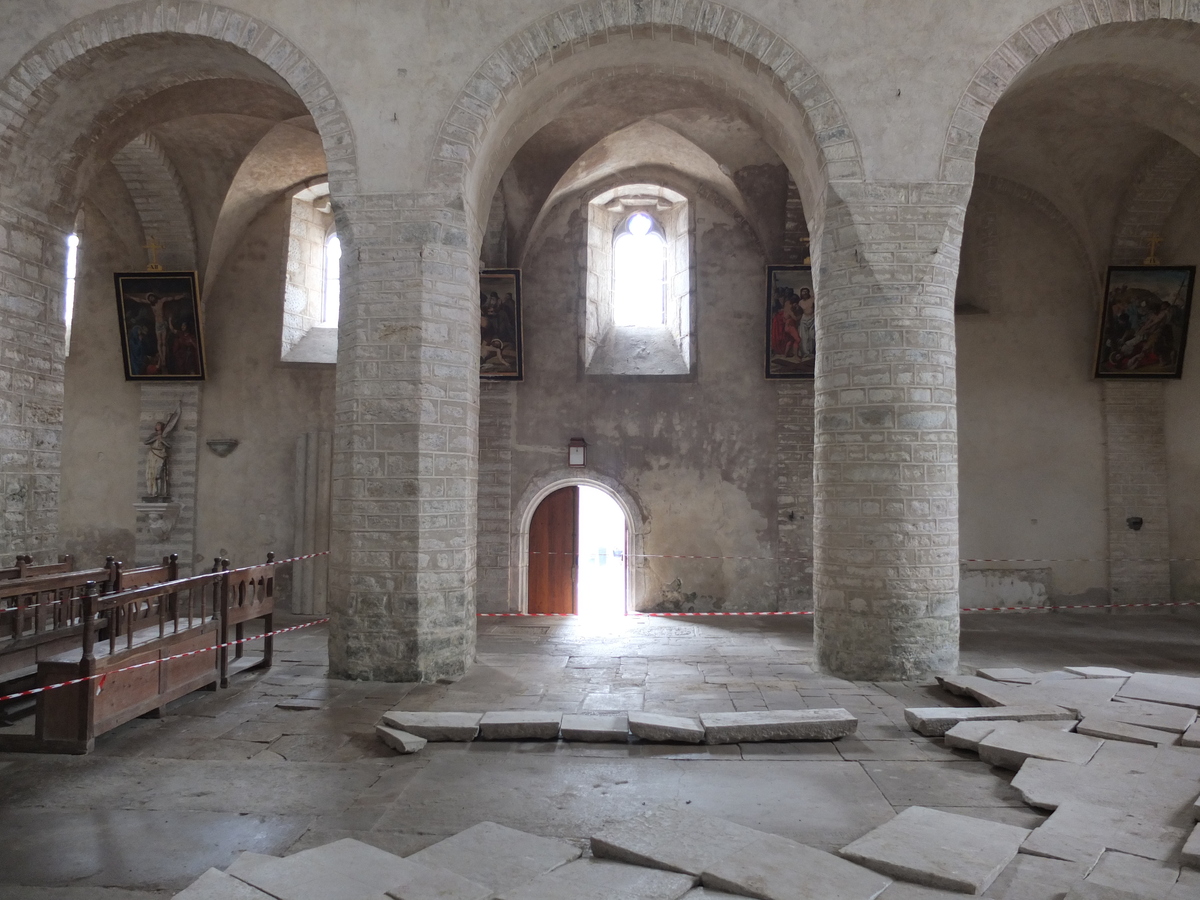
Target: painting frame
x=790 y=337
x=1144 y=322
x=501 y=335
x=147 y=324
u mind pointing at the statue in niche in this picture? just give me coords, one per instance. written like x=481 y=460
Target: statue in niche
x=158 y=479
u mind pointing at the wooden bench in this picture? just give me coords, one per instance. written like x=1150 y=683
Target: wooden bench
x=249 y=594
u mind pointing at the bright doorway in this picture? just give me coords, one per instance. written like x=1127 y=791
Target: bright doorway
x=577 y=554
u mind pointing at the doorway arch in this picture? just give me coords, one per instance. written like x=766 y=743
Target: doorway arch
x=637 y=526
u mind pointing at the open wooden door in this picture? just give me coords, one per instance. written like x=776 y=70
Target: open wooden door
x=554 y=553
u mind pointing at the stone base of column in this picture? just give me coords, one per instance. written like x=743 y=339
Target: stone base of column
x=866 y=648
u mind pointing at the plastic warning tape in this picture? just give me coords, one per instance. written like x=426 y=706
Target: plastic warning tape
x=154 y=662
x=809 y=612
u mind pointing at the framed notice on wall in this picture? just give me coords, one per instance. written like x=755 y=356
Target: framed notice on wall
x=791 y=322
x=500 y=350
x=1144 y=321
x=159 y=315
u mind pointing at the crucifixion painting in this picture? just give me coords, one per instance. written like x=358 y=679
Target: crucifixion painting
x=160 y=326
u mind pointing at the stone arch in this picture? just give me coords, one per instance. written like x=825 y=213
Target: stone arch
x=31 y=88
x=160 y=199
x=542 y=487
x=574 y=30
x=1024 y=47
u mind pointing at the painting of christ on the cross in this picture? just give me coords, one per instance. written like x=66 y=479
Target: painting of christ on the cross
x=160 y=326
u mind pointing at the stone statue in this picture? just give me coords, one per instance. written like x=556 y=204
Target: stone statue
x=157 y=476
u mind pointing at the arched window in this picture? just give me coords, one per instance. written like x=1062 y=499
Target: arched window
x=640 y=273
x=69 y=293
x=331 y=304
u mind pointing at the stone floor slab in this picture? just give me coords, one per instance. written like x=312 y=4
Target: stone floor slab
x=1009 y=675
x=1142 y=877
x=938 y=849
x=1036 y=878
x=774 y=868
x=497 y=857
x=1081 y=832
x=344 y=870
x=601 y=879
x=1190 y=856
x=967 y=735
x=435 y=726
x=1088 y=891
x=519 y=725
x=1173 y=690
x=1191 y=737
x=400 y=741
x=1110 y=730
x=216 y=885
x=684 y=842
x=1159 y=716
x=1010 y=745
x=935 y=721
x=1097 y=671
x=663 y=728
x=595 y=729
x=780 y=725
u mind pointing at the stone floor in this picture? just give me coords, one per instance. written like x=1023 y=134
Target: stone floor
x=160 y=801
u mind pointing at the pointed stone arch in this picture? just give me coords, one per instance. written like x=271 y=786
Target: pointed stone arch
x=1024 y=47
x=574 y=30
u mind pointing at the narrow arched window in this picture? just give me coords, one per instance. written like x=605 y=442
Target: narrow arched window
x=331 y=304
x=69 y=293
x=639 y=273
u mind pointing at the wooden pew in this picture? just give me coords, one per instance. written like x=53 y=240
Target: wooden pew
x=24 y=567
x=249 y=594
x=143 y=625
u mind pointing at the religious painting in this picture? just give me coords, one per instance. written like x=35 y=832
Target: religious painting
x=159 y=313
x=500 y=325
x=1143 y=325
x=791 y=325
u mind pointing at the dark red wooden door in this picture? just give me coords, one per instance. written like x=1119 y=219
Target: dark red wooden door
x=553 y=553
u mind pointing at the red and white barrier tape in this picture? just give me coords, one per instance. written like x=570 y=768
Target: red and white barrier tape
x=809 y=612
x=103 y=676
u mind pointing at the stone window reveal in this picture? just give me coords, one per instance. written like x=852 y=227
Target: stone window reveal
x=311 y=284
x=638 y=314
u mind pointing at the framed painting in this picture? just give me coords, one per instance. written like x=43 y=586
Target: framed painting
x=500 y=351
x=159 y=315
x=1144 y=321
x=791 y=326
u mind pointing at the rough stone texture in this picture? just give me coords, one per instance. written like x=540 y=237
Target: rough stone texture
x=497 y=408
x=1173 y=690
x=506 y=725
x=1191 y=737
x=344 y=870
x=967 y=735
x=1088 y=891
x=1010 y=675
x=1190 y=856
x=677 y=841
x=1158 y=716
x=1081 y=832
x=792 y=725
x=794 y=465
x=774 y=868
x=1097 y=671
x=400 y=741
x=598 y=879
x=497 y=857
x=595 y=728
x=216 y=885
x=1035 y=878
x=886 y=462
x=402 y=576
x=934 y=721
x=1010 y=745
x=1120 y=731
x=1144 y=877
x=939 y=849
x=435 y=726
x=663 y=728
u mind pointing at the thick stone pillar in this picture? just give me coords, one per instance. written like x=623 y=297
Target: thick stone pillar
x=885 y=470
x=405 y=458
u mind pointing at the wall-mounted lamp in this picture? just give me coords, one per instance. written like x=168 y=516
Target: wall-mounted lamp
x=1134 y=523
x=577 y=453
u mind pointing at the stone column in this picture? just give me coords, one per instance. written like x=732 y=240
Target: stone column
x=885 y=470
x=402 y=575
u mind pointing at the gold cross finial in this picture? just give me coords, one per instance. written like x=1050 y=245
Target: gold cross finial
x=1152 y=259
x=153 y=246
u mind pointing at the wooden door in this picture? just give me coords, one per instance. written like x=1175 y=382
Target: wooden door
x=554 y=553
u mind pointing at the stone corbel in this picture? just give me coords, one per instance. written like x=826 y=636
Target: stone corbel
x=158 y=519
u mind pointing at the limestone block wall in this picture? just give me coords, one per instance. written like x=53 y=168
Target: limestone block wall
x=794 y=503
x=497 y=408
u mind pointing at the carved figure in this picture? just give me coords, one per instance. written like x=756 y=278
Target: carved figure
x=157 y=474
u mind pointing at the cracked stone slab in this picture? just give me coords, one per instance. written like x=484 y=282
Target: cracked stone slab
x=1088 y=891
x=400 y=741
x=497 y=857
x=216 y=885
x=665 y=729
x=1070 y=693
x=435 y=726
x=1191 y=737
x=676 y=841
x=1173 y=690
x=602 y=879
x=985 y=690
x=1143 y=877
x=1010 y=675
x=1081 y=832
x=1097 y=671
x=1035 y=878
x=967 y=735
x=777 y=725
x=519 y=725
x=1011 y=744
x=597 y=729
x=939 y=849
x=1191 y=849
x=1094 y=726
x=343 y=870
x=935 y=721
x=775 y=868
x=1159 y=716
